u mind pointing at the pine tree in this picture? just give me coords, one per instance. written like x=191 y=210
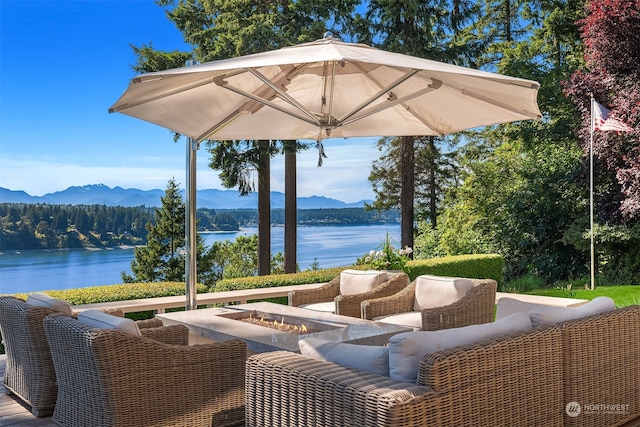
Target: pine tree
x=162 y=259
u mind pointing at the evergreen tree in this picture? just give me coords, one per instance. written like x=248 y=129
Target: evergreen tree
x=162 y=259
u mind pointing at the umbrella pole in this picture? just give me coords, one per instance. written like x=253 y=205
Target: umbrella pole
x=190 y=267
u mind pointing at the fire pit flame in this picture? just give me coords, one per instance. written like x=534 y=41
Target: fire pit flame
x=281 y=326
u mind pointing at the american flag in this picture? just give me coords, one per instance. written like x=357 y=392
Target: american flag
x=602 y=120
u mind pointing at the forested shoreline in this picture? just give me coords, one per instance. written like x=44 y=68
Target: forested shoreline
x=46 y=226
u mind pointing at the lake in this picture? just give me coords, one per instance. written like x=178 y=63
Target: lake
x=331 y=246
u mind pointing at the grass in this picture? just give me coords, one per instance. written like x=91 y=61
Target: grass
x=622 y=295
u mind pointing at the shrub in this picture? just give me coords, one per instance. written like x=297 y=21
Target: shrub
x=482 y=266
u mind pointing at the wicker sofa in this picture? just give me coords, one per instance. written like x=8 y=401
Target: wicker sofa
x=530 y=378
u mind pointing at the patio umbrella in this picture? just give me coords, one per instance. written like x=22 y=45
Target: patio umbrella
x=318 y=90
x=326 y=89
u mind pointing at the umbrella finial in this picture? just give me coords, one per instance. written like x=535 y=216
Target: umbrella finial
x=328 y=35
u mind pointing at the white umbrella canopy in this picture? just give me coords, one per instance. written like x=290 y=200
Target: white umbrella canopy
x=326 y=89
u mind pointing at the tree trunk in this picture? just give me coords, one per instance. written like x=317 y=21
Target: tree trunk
x=290 y=208
x=264 y=209
x=433 y=194
x=407 y=168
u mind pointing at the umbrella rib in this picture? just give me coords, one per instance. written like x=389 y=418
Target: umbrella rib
x=376 y=109
x=498 y=104
x=220 y=125
x=284 y=96
x=269 y=104
x=139 y=80
x=382 y=92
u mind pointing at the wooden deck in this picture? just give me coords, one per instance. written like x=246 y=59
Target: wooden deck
x=13 y=413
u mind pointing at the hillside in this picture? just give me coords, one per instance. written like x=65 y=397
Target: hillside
x=100 y=194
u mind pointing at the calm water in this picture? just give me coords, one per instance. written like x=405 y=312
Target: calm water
x=27 y=271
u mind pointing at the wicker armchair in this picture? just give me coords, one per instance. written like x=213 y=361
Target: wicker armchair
x=110 y=378
x=29 y=373
x=348 y=305
x=475 y=307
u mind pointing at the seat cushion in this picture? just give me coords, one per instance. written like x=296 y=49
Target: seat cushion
x=597 y=305
x=44 y=300
x=360 y=281
x=325 y=307
x=411 y=319
x=408 y=348
x=438 y=291
x=366 y=358
x=100 y=319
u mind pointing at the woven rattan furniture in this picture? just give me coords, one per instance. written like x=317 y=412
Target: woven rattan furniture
x=29 y=373
x=531 y=378
x=348 y=305
x=491 y=383
x=477 y=306
x=110 y=378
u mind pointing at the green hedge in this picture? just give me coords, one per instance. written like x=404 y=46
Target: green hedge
x=121 y=292
x=482 y=266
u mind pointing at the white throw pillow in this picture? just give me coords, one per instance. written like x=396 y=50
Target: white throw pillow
x=407 y=349
x=366 y=358
x=360 y=281
x=100 y=319
x=44 y=300
x=507 y=306
x=561 y=314
x=438 y=291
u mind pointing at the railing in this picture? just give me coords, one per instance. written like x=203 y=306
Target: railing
x=159 y=305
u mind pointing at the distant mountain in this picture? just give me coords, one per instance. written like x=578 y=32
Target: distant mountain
x=100 y=194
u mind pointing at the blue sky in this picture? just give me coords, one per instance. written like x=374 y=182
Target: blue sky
x=63 y=63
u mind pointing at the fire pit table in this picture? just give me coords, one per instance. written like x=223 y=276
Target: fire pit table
x=267 y=327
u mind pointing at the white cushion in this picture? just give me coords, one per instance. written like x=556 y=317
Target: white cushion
x=100 y=319
x=561 y=314
x=438 y=291
x=412 y=319
x=366 y=358
x=407 y=349
x=44 y=300
x=325 y=307
x=507 y=306
x=360 y=281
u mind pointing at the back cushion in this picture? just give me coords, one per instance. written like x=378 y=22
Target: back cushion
x=366 y=358
x=597 y=305
x=360 y=281
x=44 y=300
x=438 y=291
x=100 y=319
x=407 y=349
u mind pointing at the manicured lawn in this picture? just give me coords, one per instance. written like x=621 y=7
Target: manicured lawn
x=622 y=295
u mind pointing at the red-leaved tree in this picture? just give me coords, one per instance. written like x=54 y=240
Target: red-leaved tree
x=611 y=36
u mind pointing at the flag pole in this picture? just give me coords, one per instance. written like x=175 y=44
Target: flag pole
x=592 y=263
